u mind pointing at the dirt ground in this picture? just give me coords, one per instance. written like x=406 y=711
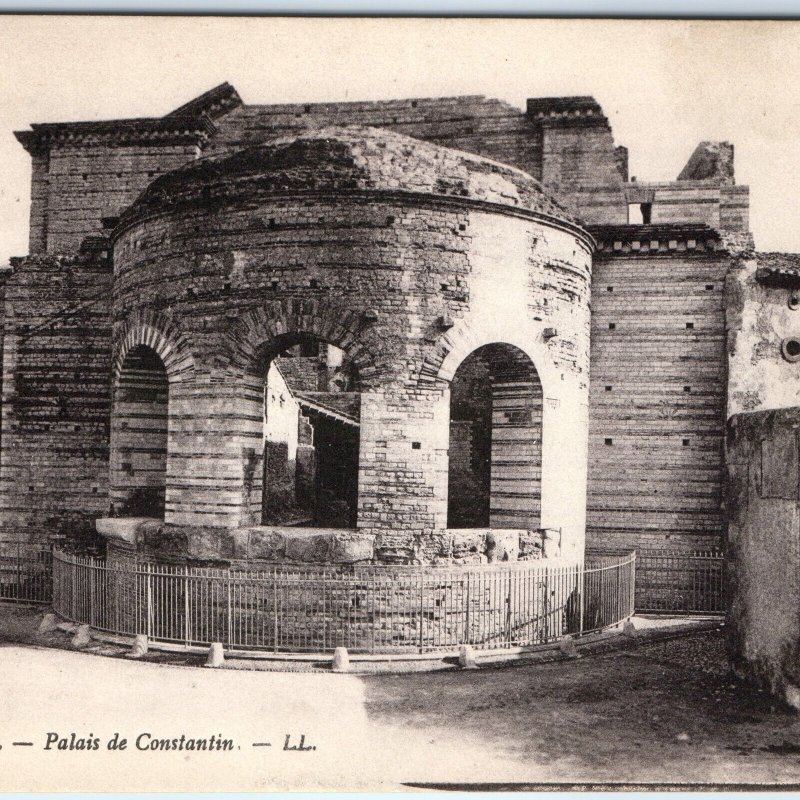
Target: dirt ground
x=664 y=712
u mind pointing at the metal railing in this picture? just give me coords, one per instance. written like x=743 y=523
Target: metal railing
x=680 y=582
x=25 y=572
x=367 y=610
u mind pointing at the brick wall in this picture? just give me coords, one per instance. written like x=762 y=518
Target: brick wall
x=407 y=285
x=139 y=436
x=657 y=398
x=56 y=403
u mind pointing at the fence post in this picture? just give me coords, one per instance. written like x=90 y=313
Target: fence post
x=187 y=620
x=421 y=606
x=148 y=598
x=18 y=591
x=275 y=610
x=92 y=592
x=229 y=580
x=467 y=636
x=581 y=583
x=632 y=598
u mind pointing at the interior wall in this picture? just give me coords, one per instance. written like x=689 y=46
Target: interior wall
x=139 y=436
x=495 y=441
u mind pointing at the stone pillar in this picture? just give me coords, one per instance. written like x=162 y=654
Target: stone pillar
x=564 y=468
x=402 y=483
x=215 y=458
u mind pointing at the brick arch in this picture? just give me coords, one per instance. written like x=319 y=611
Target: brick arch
x=454 y=346
x=156 y=332
x=332 y=322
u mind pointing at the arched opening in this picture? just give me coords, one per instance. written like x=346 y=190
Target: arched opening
x=139 y=435
x=495 y=441
x=312 y=410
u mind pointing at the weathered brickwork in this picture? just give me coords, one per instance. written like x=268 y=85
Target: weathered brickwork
x=657 y=400
x=405 y=283
x=237 y=231
x=56 y=396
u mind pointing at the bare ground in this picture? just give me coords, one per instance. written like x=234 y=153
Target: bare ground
x=665 y=712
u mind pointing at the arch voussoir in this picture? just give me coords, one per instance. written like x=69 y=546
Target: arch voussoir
x=153 y=330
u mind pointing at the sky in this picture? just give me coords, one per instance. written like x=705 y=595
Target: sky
x=664 y=85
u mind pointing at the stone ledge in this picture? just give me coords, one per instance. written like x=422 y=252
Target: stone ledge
x=285 y=545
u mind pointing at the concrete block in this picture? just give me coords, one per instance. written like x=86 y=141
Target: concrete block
x=216 y=656
x=466 y=657
x=48 y=624
x=81 y=638
x=341 y=660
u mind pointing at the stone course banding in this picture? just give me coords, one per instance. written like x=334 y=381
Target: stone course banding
x=235 y=224
x=227 y=255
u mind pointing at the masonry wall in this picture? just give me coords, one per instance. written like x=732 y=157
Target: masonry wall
x=761 y=318
x=763 y=505
x=73 y=187
x=138 y=467
x=408 y=287
x=657 y=397
x=56 y=397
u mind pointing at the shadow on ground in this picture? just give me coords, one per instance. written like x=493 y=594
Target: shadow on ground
x=664 y=712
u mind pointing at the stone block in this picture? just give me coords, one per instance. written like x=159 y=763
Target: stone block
x=81 y=638
x=266 y=543
x=216 y=656
x=314 y=548
x=48 y=624
x=466 y=657
x=123 y=529
x=139 y=647
x=466 y=543
x=341 y=660
x=209 y=544
x=502 y=545
x=567 y=646
x=160 y=539
x=531 y=545
x=354 y=548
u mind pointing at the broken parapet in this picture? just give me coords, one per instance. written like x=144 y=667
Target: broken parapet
x=710 y=161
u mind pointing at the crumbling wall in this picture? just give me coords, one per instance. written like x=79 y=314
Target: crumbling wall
x=763 y=551
x=407 y=282
x=763 y=318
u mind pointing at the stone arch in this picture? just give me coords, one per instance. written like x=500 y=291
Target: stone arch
x=154 y=330
x=456 y=345
x=139 y=435
x=495 y=440
x=331 y=322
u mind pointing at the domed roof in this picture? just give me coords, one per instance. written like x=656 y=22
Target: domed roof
x=336 y=159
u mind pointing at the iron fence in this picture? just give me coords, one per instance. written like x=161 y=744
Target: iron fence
x=25 y=572
x=367 y=610
x=680 y=582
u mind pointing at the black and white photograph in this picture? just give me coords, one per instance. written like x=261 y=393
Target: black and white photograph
x=399 y=404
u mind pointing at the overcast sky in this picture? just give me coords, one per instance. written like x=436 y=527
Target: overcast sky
x=664 y=86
